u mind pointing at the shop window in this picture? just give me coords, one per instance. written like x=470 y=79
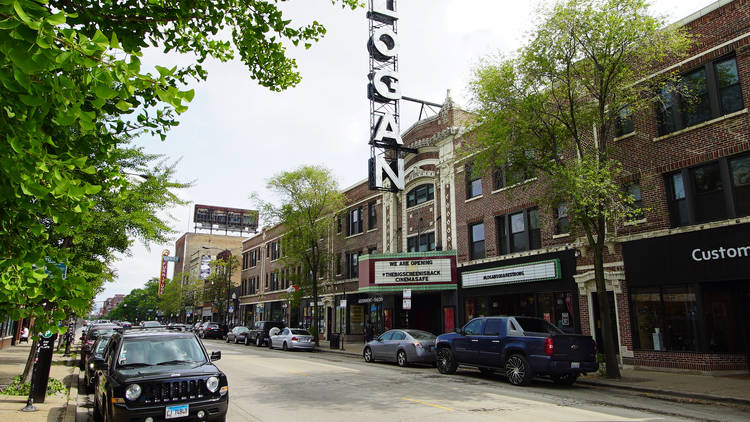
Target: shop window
x=624 y=122
x=476 y=241
x=710 y=91
x=473 y=328
x=372 y=217
x=560 y=215
x=699 y=194
x=666 y=319
x=473 y=182
x=421 y=243
x=420 y=195
x=355 y=221
x=721 y=320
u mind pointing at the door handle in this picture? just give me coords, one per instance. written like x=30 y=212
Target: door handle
x=496 y=341
x=474 y=340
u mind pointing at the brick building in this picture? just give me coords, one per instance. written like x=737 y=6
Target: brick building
x=677 y=278
x=111 y=303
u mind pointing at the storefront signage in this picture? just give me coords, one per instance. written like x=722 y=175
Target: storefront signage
x=418 y=270
x=406 y=305
x=717 y=254
x=544 y=270
x=384 y=94
x=407 y=293
x=370 y=299
x=163 y=272
x=206 y=312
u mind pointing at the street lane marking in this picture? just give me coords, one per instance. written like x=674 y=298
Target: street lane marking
x=426 y=404
x=298 y=373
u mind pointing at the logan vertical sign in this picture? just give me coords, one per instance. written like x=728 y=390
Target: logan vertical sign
x=163 y=274
x=384 y=94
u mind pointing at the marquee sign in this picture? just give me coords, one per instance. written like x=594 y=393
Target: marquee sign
x=537 y=271
x=384 y=94
x=419 y=270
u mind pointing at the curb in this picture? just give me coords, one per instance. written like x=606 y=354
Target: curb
x=662 y=392
x=72 y=402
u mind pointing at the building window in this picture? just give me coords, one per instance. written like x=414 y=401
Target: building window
x=275 y=250
x=338 y=224
x=352 y=259
x=355 y=221
x=476 y=241
x=710 y=191
x=710 y=91
x=510 y=175
x=254 y=257
x=624 y=122
x=560 y=215
x=518 y=231
x=634 y=190
x=338 y=264
x=372 y=216
x=421 y=243
x=473 y=182
x=420 y=195
x=266 y=285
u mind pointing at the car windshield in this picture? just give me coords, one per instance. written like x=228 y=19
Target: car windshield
x=536 y=325
x=242 y=329
x=301 y=332
x=421 y=335
x=160 y=351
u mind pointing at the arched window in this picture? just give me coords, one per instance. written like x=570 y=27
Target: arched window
x=420 y=195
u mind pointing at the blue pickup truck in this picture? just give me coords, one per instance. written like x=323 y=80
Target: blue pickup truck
x=522 y=347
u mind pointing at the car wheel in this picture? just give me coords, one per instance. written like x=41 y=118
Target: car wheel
x=517 y=370
x=258 y=343
x=269 y=343
x=401 y=358
x=247 y=341
x=446 y=363
x=284 y=347
x=367 y=354
x=227 y=339
x=235 y=340
x=486 y=371
x=565 y=379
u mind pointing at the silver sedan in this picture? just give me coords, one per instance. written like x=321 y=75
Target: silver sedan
x=402 y=346
x=293 y=338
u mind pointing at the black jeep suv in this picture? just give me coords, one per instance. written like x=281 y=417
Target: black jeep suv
x=259 y=333
x=158 y=375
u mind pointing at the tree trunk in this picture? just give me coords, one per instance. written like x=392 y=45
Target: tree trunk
x=26 y=376
x=610 y=351
x=316 y=318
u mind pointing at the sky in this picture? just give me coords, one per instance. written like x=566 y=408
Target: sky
x=236 y=134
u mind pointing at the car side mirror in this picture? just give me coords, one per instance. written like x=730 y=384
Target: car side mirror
x=215 y=355
x=380 y=339
x=460 y=331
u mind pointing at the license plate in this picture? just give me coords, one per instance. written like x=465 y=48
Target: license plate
x=575 y=364
x=176 y=411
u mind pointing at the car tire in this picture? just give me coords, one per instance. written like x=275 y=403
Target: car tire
x=401 y=359
x=247 y=340
x=517 y=370
x=258 y=342
x=235 y=340
x=446 y=363
x=565 y=379
x=367 y=355
x=486 y=371
x=227 y=339
x=269 y=343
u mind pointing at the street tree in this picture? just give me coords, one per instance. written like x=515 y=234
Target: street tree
x=309 y=199
x=71 y=89
x=553 y=108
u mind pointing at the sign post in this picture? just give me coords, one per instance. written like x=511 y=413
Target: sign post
x=40 y=371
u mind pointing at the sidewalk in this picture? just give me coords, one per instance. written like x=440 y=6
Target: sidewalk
x=55 y=407
x=727 y=389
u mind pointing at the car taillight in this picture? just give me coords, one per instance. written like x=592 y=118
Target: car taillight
x=549 y=346
x=294 y=338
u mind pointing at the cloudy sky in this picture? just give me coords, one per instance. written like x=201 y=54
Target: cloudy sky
x=237 y=134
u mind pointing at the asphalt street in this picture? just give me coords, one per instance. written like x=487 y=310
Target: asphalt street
x=272 y=385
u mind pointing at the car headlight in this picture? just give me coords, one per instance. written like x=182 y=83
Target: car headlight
x=133 y=392
x=212 y=383
x=91 y=365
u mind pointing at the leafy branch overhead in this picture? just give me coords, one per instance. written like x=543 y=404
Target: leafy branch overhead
x=72 y=93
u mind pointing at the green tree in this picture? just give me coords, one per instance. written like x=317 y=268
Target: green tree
x=554 y=106
x=71 y=89
x=309 y=198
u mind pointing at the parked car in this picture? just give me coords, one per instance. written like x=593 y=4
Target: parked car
x=239 y=334
x=523 y=347
x=196 y=326
x=88 y=340
x=178 y=327
x=126 y=324
x=292 y=338
x=150 y=324
x=93 y=362
x=402 y=346
x=259 y=333
x=213 y=330
x=158 y=375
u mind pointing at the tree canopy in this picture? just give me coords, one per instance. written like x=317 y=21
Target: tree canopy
x=554 y=106
x=309 y=199
x=72 y=90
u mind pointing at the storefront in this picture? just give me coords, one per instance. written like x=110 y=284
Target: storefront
x=247 y=314
x=409 y=290
x=690 y=299
x=540 y=286
x=274 y=311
